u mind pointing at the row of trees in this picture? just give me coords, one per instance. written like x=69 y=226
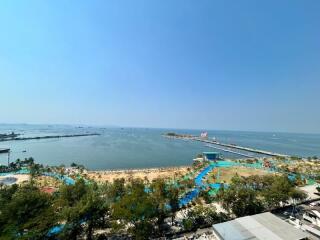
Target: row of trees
x=255 y=194
x=202 y=216
x=137 y=208
x=17 y=165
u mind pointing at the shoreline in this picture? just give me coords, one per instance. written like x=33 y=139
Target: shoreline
x=121 y=170
x=142 y=173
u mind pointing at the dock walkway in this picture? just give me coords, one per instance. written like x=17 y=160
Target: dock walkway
x=232 y=146
x=230 y=151
x=273 y=154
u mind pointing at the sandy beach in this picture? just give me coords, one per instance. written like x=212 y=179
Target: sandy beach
x=147 y=173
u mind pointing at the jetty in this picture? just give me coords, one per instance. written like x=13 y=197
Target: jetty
x=231 y=146
x=253 y=150
x=4 y=150
x=230 y=151
x=49 y=137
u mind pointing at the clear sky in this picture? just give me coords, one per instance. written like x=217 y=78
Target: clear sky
x=237 y=65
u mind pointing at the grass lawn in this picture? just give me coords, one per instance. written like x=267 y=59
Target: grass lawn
x=225 y=174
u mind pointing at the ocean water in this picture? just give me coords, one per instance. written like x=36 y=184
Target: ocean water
x=125 y=148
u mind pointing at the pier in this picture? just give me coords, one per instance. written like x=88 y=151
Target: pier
x=272 y=154
x=230 y=151
x=231 y=146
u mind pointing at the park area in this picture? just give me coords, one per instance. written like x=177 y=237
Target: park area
x=233 y=187
x=225 y=174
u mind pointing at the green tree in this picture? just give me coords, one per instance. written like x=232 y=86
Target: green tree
x=160 y=196
x=297 y=195
x=117 y=189
x=83 y=208
x=26 y=213
x=277 y=193
x=70 y=209
x=35 y=170
x=173 y=198
x=206 y=196
x=96 y=210
x=137 y=210
x=202 y=216
x=240 y=199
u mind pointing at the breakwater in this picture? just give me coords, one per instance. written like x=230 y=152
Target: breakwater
x=253 y=150
x=49 y=137
x=8 y=136
x=231 y=146
x=230 y=151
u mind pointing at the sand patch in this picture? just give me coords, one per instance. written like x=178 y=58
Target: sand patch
x=226 y=174
x=149 y=174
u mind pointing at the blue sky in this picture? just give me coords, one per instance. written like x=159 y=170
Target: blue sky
x=237 y=65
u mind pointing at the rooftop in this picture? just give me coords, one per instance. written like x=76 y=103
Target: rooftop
x=264 y=226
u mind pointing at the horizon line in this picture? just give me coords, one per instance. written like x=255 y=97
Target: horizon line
x=164 y=128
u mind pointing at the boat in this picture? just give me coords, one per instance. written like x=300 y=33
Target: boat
x=4 y=150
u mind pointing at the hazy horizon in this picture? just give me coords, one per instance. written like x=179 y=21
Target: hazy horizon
x=240 y=66
x=144 y=127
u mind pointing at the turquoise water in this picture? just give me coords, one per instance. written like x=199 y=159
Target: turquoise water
x=118 y=148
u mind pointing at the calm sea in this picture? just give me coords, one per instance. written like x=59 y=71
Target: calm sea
x=123 y=148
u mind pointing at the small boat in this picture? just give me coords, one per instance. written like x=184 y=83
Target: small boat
x=4 y=150
x=24 y=151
